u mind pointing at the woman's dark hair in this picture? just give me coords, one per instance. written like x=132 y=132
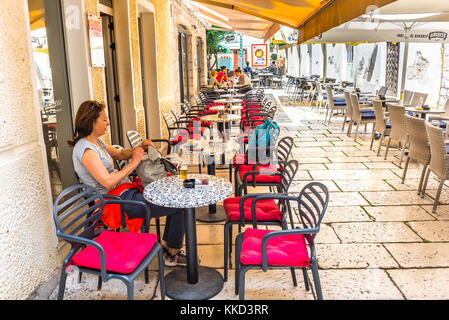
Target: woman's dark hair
x=87 y=114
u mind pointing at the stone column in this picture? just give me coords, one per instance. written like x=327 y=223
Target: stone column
x=28 y=255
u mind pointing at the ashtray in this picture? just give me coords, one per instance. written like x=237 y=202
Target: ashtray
x=189 y=183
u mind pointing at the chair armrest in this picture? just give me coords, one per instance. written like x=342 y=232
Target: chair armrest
x=253 y=174
x=131 y=202
x=268 y=196
x=165 y=141
x=241 y=205
x=273 y=234
x=71 y=238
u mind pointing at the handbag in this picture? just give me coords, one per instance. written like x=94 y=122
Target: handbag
x=154 y=166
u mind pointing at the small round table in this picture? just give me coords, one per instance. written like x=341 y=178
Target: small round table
x=197 y=283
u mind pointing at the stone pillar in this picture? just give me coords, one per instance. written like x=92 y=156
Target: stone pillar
x=28 y=255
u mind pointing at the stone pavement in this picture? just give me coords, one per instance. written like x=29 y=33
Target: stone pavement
x=378 y=239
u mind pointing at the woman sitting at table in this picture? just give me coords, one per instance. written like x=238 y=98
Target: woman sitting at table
x=242 y=78
x=93 y=162
x=213 y=78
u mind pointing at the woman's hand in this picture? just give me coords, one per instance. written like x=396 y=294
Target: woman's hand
x=137 y=156
x=147 y=143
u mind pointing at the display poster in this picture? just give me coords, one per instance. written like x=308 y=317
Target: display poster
x=96 y=41
x=226 y=59
x=259 y=55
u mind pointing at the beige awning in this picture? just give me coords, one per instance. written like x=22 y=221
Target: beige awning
x=262 y=18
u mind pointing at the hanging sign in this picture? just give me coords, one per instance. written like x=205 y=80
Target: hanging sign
x=259 y=55
x=226 y=59
x=96 y=41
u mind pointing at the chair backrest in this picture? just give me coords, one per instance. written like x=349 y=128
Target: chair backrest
x=318 y=89
x=415 y=101
x=349 y=112
x=330 y=95
x=406 y=97
x=312 y=204
x=120 y=163
x=169 y=120
x=135 y=139
x=438 y=163
x=284 y=149
x=288 y=173
x=175 y=114
x=355 y=106
x=379 y=114
x=397 y=119
x=419 y=143
x=76 y=212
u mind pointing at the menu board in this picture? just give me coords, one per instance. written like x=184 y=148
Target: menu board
x=96 y=41
x=259 y=55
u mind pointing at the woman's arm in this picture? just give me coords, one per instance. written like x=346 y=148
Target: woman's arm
x=126 y=154
x=91 y=161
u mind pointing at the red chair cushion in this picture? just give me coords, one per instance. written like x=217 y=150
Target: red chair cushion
x=266 y=210
x=184 y=137
x=123 y=251
x=288 y=250
x=262 y=178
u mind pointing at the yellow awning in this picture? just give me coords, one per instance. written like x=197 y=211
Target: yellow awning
x=262 y=18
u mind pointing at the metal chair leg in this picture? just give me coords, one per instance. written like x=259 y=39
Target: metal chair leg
x=306 y=278
x=316 y=280
x=437 y=197
x=161 y=272
x=405 y=169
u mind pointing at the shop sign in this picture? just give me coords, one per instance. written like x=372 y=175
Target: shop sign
x=96 y=41
x=259 y=55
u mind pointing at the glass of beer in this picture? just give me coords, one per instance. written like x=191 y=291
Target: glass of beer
x=183 y=172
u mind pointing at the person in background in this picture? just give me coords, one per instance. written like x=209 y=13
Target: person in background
x=93 y=162
x=222 y=76
x=247 y=68
x=243 y=78
x=281 y=65
x=213 y=78
x=274 y=68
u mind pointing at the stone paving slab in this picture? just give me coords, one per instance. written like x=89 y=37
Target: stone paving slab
x=398 y=213
x=422 y=284
x=358 y=284
x=420 y=255
x=431 y=230
x=374 y=232
x=354 y=256
x=346 y=214
x=395 y=198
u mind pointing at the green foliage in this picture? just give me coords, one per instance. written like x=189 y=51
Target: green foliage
x=212 y=40
x=274 y=56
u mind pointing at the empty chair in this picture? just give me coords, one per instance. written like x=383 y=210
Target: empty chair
x=360 y=117
x=418 y=150
x=406 y=98
x=103 y=253
x=382 y=125
x=260 y=248
x=440 y=120
x=439 y=160
x=398 y=128
x=418 y=99
x=348 y=113
x=333 y=104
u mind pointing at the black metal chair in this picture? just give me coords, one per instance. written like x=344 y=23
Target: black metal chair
x=257 y=248
x=238 y=210
x=101 y=252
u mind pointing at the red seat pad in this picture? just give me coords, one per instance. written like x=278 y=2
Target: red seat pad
x=123 y=251
x=266 y=210
x=262 y=178
x=184 y=137
x=288 y=250
x=239 y=159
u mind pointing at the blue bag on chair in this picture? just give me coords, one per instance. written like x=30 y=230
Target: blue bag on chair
x=261 y=138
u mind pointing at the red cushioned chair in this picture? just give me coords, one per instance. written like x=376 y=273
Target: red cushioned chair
x=107 y=254
x=293 y=248
x=180 y=132
x=267 y=212
x=254 y=172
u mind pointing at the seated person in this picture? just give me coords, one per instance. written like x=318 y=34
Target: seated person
x=274 y=68
x=247 y=68
x=213 y=78
x=222 y=75
x=93 y=162
x=242 y=78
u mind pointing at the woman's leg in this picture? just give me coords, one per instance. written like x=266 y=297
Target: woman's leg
x=174 y=225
